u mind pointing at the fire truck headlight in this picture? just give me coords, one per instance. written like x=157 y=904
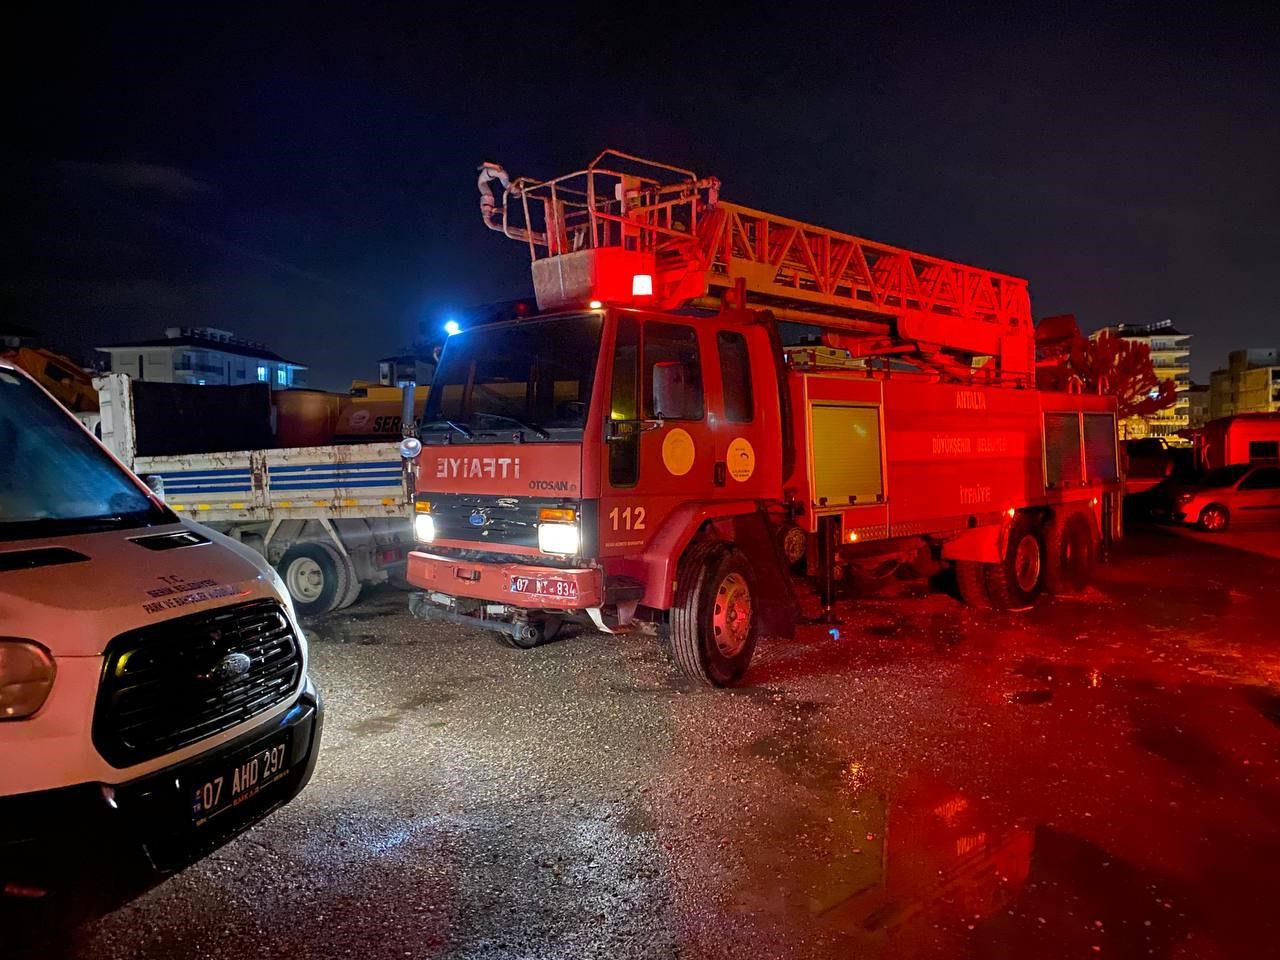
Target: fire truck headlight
x=558 y=538
x=26 y=677
x=424 y=527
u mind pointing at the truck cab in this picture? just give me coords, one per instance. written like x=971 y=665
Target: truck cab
x=154 y=695
x=566 y=460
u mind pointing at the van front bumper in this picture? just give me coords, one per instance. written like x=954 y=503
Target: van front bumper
x=102 y=844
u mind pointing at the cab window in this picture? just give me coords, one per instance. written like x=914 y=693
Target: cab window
x=624 y=446
x=674 y=348
x=735 y=374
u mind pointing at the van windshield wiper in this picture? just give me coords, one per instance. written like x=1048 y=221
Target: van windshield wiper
x=456 y=426
x=531 y=427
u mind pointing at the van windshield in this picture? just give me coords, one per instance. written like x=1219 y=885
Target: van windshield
x=531 y=376
x=54 y=479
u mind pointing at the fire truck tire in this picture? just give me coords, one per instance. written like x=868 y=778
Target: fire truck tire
x=1070 y=550
x=972 y=582
x=712 y=633
x=1016 y=581
x=316 y=577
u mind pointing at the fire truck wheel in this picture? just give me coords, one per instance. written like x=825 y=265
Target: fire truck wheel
x=712 y=634
x=316 y=577
x=972 y=581
x=1070 y=549
x=1016 y=581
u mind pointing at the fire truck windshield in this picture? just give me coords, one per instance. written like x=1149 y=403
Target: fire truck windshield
x=531 y=377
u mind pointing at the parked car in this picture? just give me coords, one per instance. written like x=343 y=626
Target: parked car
x=1239 y=493
x=154 y=697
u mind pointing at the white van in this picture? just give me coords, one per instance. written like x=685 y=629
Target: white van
x=154 y=698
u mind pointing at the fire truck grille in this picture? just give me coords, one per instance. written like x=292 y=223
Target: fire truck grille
x=167 y=686
x=491 y=523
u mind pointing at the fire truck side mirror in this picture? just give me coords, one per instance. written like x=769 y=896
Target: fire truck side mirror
x=672 y=393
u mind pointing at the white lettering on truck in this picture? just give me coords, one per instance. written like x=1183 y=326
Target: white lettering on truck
x=951 y=445
x=476 y=468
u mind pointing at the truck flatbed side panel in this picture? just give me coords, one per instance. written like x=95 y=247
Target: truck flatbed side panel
x=182 y=418
x=357 y=480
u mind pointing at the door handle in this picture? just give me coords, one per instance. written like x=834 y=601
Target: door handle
x=721 y=473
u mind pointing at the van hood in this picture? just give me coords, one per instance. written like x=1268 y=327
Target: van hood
x=74 y=594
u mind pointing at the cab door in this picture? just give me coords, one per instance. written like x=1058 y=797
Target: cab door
x=745 y=417
x=656 y=459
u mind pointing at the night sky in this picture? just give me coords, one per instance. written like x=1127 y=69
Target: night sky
x=306 y=177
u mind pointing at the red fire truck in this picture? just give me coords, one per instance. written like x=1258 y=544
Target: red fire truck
x=713 y=400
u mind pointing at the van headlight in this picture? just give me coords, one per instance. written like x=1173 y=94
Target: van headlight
x=559 y=538
x=26 y=677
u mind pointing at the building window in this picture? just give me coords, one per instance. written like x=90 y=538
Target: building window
x=1264 y=451
x=282 y=376
x=262 y=374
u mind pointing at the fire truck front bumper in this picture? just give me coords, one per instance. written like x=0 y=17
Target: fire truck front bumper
x=524 y=585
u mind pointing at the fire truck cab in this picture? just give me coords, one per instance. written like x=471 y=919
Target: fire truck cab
x=705 y=410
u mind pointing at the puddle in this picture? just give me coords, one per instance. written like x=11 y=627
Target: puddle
x=1267 y=702
x=1030 y=696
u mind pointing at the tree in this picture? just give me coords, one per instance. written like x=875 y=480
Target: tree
x=1115 y=366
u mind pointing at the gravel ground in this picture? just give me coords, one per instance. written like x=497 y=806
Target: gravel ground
x=1096 y=778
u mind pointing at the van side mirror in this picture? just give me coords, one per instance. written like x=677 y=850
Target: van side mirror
x=673 y=392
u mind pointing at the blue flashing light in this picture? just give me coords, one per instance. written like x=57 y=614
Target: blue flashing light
x=451 y=327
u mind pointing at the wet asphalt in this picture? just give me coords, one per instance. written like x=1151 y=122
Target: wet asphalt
x=1100 y=777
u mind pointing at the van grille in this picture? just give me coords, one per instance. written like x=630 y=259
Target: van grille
x=170 y=685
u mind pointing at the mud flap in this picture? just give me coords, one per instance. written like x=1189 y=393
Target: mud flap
x=775 y=592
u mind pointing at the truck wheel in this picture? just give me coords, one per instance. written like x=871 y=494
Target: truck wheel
x=315 y=575
x=353 y=585
x=1214 y=518
x=1070 y=550
x=972 y=582
x=712 y=634
x=1016 y=581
